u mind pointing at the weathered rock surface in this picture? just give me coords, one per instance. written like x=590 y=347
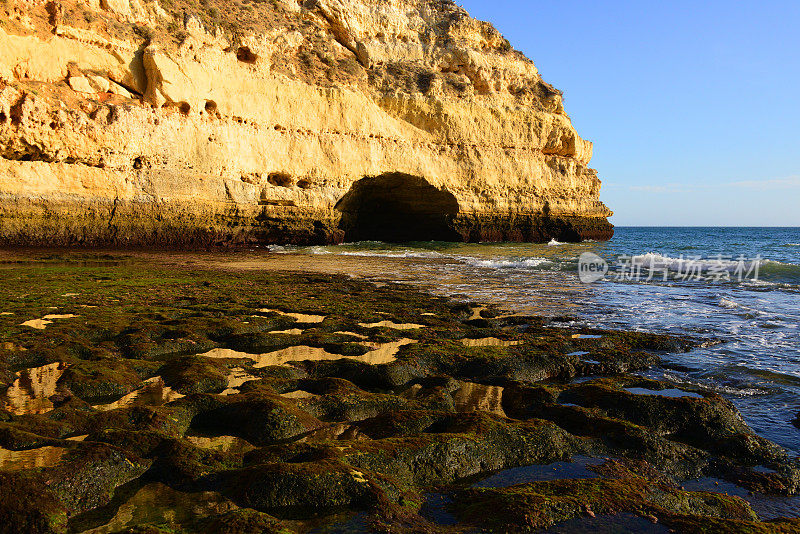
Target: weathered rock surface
x=316 y=121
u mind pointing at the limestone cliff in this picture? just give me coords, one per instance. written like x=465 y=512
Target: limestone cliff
x=305 y=121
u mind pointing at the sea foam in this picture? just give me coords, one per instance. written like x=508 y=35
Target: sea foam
x=527 y=263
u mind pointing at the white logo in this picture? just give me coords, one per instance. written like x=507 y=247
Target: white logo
x=591 y=267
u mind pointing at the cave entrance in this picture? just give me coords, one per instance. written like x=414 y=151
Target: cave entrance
x=397 y=207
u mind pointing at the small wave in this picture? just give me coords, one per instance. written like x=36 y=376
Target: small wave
x=761 y=284
x=376 y=254
x=741 y=309
x=394 y=254
x=780 y=268
x=728 y=303
x=792 y=245
x=554 y=243
x=508 y=264
x=714 y=386
x=755 y=273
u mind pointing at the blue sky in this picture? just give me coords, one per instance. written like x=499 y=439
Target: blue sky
x=693 y=107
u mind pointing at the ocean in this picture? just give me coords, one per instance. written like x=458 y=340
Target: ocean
x=739 y=287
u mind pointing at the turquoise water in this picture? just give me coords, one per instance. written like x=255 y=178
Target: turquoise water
x=757 y=366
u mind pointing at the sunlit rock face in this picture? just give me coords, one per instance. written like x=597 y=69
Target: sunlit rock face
x=307 y=122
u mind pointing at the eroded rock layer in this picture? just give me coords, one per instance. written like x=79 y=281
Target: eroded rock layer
x=317 y=121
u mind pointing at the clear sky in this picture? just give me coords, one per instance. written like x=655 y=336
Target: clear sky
x=693 y=106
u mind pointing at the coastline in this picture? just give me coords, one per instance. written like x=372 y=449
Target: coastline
x=457 y=394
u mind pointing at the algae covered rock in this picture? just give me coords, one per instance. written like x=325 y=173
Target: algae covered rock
x=100 y=380
x=189 y=375
x=242 y=521
x=88 y=474
x=28 y=505
x=257 y=417
x=307 y=487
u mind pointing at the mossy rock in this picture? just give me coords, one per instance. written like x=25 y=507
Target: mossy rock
x=457 y=446
x=97 y=381
x=142 y=443
x=28 y=505
x=529 y=507
x=260 y=418
x=88 y=474
x=300 y=489
x=242 y=521
x=13 y=438
x=711 y=422
x=179 y=463
x=341 y=400
x=167 y=420
x=42 y=425
x=195 y=374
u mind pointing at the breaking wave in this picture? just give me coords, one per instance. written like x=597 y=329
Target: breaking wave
x=729 y=303
x=395 y=254
x=527 y=263
x=402 y=253
x=716 y=386
x=780 y=268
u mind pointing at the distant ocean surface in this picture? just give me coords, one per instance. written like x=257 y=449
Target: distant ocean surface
x=757 y=366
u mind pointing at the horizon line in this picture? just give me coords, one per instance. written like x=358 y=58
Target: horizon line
x=695 y=226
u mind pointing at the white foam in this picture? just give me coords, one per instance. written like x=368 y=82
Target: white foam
x=763 y=283
x=710 y=385
x=394 y=254
x=554 y=243
x=507 y=264
x=728 y=303
x=376 y=253
x=361 y=244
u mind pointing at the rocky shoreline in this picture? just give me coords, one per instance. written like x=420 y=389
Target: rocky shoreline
x=144 y=396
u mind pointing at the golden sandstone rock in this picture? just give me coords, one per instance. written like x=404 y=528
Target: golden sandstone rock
x=316 y=121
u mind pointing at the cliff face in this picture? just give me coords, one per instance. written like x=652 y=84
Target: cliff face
x=316 y=121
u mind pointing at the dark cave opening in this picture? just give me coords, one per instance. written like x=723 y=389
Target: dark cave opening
x=397 y=207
